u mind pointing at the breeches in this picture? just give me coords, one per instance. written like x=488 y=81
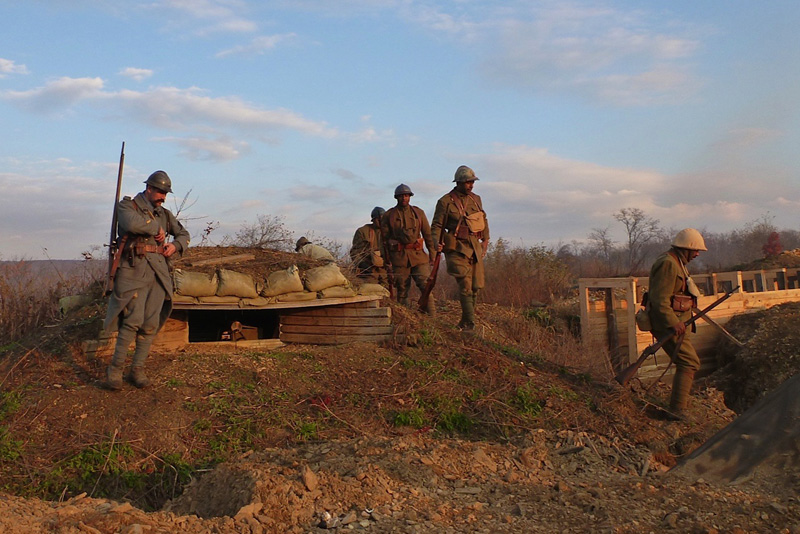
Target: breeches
x=686 y=358
x=467 y=271
x=404 y=275
x=142 y=315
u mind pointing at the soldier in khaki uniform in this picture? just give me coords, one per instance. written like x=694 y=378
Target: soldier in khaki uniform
x=461 y=229
x=367 y=250
x=405 y=230
x=142 y=298
x=672 y=295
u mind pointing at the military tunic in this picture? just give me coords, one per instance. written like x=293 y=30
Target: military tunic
x=669 y=277
x=368 y=243
x=405 y=229
x=142 y=297
x=463 y=251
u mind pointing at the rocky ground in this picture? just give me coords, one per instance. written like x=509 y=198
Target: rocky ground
x=592 y=457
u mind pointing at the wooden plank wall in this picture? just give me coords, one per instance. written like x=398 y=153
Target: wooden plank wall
x=362 y=321
x=626 y=293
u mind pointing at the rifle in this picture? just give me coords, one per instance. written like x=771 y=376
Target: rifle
x=389 y=271
x=115 y=248
x=431 y=282
x=626 y=374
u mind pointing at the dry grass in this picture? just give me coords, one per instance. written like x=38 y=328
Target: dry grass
x=30 y=294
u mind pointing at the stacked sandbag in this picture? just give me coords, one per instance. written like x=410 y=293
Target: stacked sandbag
x=282 y=282
x=189 y=286
x=373 y=289
x=320 y=278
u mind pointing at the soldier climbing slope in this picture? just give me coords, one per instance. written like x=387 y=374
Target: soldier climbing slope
x=406 y=230
x=461 y=229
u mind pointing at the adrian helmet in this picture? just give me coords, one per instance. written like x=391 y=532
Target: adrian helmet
x=301 y=243
x=465 y=174
x=160 y=180
x=377 y=212
x=402 y=189
x=689 y=238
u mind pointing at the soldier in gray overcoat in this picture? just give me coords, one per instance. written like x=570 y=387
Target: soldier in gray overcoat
x=142 y=297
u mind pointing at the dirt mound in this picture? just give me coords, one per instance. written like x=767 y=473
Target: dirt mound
x=787 y=258
x=769 y=357
x=256 y=262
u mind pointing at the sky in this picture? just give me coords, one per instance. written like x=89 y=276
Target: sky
x=315 y=110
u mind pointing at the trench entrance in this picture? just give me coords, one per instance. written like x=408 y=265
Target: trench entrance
x=232 y=325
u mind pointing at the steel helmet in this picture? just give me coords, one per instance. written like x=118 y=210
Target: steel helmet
x=689 y=238
x=402 y=189
x=465 y=174
x=377 y=212
x=301 y=243
x=160 y=180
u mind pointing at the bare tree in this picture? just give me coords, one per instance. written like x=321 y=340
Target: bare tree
x=266 y=232
x=601 y=242
x=641 y=229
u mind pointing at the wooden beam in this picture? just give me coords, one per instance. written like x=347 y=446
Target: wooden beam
x=335 y=321
x=318 y=339
x=336 y=330
x=340 y=312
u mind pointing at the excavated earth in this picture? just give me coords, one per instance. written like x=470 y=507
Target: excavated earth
x=596 y=457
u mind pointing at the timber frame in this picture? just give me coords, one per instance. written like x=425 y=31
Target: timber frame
x=608 y=307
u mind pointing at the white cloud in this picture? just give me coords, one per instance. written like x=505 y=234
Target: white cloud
x=175 y=109
x=601 y=53
x=57 y=95
x=225 y=15
x=200 y=148
x=136 y=74
x=8 y=66
x=257 y=46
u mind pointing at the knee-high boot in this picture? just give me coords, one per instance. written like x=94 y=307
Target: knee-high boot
x=681 y=388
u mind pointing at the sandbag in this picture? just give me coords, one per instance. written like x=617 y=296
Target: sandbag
x=233 y=284
x=337 y=292
x=373 y=289
x=191 y=284
x=256 y=302
x=183 y=299
x=296 y=297
x=320 y=278
x=281 y=282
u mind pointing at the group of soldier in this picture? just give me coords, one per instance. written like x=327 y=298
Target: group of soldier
x=398 y=242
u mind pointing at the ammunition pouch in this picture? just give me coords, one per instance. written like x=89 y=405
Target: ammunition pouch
x=683 y=303
x=139 y=248
x=399 y=247
x=463 y=232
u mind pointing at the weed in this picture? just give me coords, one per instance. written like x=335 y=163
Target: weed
x=174 y=383
x=413 y=418
x=306 y=430
x=425 y=338
x=564 y=394
x=201 y=425
x=526 y=402
x=10 y=449
x=9 y=403
x=454 y=421
x=538 y=314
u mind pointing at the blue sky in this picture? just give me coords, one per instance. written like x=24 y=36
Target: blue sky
x=316 y=110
